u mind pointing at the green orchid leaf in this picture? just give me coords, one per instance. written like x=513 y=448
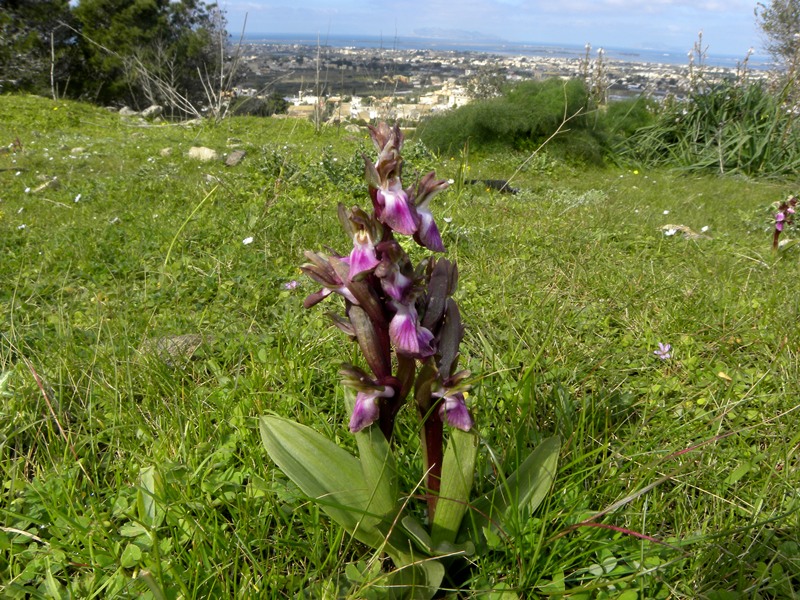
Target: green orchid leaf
x=419 y=535
x=458 y=471
x=325 y=472
x=524 y=490
x=417 y=581
x=336 y=481
x=378 y=467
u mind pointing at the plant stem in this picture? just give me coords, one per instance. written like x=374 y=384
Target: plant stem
x=432 y=442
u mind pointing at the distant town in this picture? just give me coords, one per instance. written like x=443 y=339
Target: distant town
x=364 y=84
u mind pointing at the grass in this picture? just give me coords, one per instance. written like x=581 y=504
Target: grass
x=133 y=471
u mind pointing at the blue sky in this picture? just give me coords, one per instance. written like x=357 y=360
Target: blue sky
x=728 y=25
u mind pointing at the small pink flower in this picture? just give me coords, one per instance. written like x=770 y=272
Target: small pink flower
x=663 y=351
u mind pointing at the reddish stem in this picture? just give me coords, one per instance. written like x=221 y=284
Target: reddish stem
x=433 y=457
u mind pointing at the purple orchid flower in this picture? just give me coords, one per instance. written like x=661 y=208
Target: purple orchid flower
x=780 y=217
x=363 y=257
x=367 y=408
x=396 y=210
x=453 y=410
x=322 y=271
x=427 y=234
x=407 y=335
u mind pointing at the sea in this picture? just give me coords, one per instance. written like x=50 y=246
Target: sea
x=492 y=46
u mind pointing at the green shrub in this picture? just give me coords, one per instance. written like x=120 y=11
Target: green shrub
x=623 y=118
x=522 y=118
x=251 y=106
x=728 y=129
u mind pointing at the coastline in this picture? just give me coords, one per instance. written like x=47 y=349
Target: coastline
x=503 y=48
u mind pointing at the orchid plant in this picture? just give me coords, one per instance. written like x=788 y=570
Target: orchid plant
x=784 y=217
x=408 y=327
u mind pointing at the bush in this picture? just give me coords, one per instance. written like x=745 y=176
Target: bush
x=521 y=119
x=728 y=129
x=274 y=104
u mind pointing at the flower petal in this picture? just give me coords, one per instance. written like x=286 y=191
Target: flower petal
x=455 y=413
x=407 y=335
x=428 y=233
x=365 y=412
x=367 y=408
x=362 y=257
x=396 y=211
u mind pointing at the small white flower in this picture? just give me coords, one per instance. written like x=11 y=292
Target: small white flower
x=448 y=219
x=22 y=226
x=704 y=228
x=247 y=240
x=671 y=231
x=451 y=181
x=78 y=198
x=18 y=173
x=27 y=190
x=666 y=212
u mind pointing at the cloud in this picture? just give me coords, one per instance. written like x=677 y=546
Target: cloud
x=668 y=24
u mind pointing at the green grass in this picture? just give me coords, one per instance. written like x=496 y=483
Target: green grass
x=128 y=472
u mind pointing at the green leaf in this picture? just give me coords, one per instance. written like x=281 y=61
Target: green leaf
x=335 y=480
x=130 y=556
x=378 y=467
x=524 y=490
x=500 y=591
x=417 y=581
x=458 y=470
x=149 y=497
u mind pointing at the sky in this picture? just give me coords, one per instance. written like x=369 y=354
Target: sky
x=728 y=26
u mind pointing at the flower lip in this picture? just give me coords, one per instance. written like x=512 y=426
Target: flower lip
x=453 y=410
x=407 y=335
x=367 y=408
x=397 y=211
x=362 y=257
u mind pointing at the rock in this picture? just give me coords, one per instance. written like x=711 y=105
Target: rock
x=351 y=128
x=127 y=112
x=152 y=111
x=202 y=153
x=234 y=158
x=165 y=151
